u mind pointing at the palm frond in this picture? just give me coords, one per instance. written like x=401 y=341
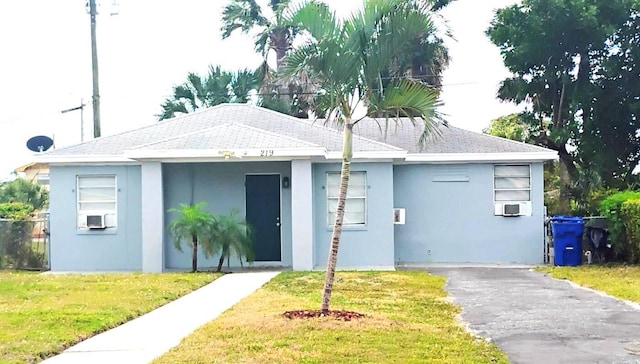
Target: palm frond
x=243 y=15
x=242 y=84
x=170 y=108
x=412 y=100
x=314 y=17
x=186 y=94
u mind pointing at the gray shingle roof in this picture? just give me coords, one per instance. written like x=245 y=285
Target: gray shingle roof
x=253 y=116
x=451 y=139
x=247 y=126
x=232 y=135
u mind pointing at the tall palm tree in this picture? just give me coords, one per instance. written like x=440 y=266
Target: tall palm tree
x=192 y=224
x=275 y=33
x=347 y=57
x=215 y=88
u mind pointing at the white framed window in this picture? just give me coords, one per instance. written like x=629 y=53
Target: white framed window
x=97 y=196
x=512 y=183
x=355 y=213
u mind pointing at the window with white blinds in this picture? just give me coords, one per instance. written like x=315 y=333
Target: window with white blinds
x=356 y=203
x=512 y=183
x=97 y=195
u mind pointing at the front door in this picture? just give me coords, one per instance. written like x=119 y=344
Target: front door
x=263 y=215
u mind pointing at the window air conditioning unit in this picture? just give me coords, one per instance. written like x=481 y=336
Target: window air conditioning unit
x=511 y=209
x=96 y=221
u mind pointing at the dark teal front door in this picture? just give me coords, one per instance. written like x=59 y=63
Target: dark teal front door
x=263 y=215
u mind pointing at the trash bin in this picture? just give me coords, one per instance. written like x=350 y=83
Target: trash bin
x=567 y=240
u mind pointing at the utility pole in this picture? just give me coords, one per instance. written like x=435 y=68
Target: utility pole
x=81 y=108
x=94 y=69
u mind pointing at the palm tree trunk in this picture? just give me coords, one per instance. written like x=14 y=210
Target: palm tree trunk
x=347 y=154
x=194 y=253
x=223 y=253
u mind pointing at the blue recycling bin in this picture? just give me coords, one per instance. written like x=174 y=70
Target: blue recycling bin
x=567 y=240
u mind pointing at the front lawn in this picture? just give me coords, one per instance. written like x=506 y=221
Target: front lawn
x=408 y=321
x=619 y=281
x=42 y=314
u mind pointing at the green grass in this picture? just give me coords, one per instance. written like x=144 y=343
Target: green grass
x=408 y=321
x=619 y=281
x=42 y=314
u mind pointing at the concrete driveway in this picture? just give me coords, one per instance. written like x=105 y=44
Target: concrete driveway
x=537 y=319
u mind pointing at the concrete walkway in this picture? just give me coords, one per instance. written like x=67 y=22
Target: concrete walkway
x=151 y=335
x=538 y=319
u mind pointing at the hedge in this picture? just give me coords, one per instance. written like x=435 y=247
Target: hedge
x=630 y=213
x=622 y=212
x=16 y=228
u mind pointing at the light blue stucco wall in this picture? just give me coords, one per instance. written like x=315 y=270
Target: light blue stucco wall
x=96 y=250
x=360 y=247
x=453 y=221
x=221 y=186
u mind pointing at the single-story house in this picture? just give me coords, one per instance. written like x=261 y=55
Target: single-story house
x=463 y=197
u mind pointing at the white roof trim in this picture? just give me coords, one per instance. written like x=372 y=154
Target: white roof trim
x=387 y=154
x=82 y=159
x=482 y=157
x=238 y=153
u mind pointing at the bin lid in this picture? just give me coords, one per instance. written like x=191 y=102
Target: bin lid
x=572 y=219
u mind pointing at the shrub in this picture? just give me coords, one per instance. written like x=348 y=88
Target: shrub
x=611 y=208
x=630 y=213
x=591 y=205
x=15 y=237
x=15 y=210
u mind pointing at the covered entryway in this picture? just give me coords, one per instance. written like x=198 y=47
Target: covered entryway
x=263 y=215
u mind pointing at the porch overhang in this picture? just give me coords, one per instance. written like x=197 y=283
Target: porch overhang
x=249 y=154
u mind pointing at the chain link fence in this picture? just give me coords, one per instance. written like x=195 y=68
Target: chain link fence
x=24 y=244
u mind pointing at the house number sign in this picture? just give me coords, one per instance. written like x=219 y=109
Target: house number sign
x=266 y=152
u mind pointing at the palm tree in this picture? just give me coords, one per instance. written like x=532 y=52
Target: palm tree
x=346 y=57
x=192 y=224
x=215 y=88
x=276 y=34
x=230 y=235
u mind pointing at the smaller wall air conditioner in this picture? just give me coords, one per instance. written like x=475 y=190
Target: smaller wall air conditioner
x=96 y=221
x=511 y=209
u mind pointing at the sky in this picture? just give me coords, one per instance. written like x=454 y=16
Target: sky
x=149 y=46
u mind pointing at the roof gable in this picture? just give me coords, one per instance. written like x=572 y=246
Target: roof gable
x=285 y=126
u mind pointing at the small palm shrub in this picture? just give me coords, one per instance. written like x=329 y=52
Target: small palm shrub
x=230 y=235
x=192 y=225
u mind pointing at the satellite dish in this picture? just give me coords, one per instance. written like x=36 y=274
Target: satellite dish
x=39 y=143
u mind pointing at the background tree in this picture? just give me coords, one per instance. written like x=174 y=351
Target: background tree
x=192 y=224
x=274 y=35
x=215 y=88
x=347 y=58
x=549 y=46
x=512 y=126
x=609 y=143
x=24 y=191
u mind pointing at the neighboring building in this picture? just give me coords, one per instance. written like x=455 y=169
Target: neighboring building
x=35 y=172
x=448 y=202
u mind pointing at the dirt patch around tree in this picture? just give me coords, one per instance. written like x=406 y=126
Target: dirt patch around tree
x=337 y=314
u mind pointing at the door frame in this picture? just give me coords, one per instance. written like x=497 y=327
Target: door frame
x=273 y=262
